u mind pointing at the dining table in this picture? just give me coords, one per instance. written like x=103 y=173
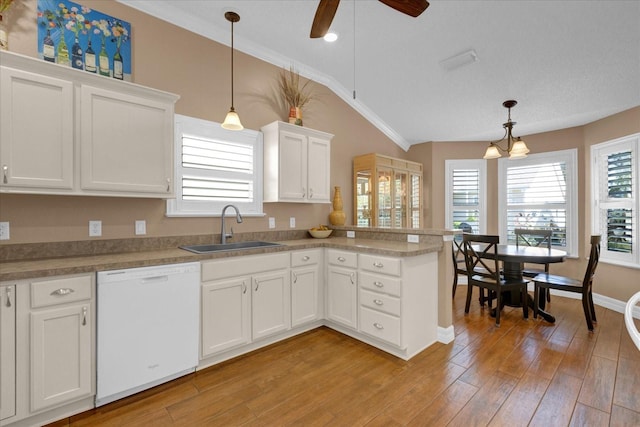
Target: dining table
x=513 y=258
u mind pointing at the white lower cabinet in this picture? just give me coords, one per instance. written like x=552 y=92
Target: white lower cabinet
x=47 y=358
x=342 y=289
x=7 y=351
x=243 y=299
x=306 y=278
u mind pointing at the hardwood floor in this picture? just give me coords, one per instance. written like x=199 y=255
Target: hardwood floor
x=527 y=372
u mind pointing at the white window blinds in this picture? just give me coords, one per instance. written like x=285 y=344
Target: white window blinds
x=466 y=195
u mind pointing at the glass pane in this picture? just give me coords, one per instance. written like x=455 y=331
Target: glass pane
x=414 y=201
x=619 y=230
x=537 y=184
x=466 y=187
x=202 y=153
x=216 y=190
x=467 y=220
x=384 y=199
x=363 y=198
x=400 y=200
x=619 y=180
x=554 y=219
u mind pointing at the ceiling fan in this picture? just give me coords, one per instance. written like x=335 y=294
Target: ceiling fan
x=327 y=10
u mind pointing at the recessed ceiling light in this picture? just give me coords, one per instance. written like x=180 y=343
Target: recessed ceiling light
x=330 y=37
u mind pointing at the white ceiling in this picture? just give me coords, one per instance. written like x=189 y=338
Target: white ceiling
x=567 y=63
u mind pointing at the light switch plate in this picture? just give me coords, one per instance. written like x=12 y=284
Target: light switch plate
x=292 y=222
x=141 y=227
x=95 y=228
x=351 y=234
x=413 y=238
x=272 y=222
x=5 y=230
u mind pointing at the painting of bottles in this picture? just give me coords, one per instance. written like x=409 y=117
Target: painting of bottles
x=76 y=36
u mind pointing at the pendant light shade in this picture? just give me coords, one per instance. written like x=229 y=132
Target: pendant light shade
x=232 y=121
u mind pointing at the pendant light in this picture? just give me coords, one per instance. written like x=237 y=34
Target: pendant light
x=516 y=147
x=232 y=121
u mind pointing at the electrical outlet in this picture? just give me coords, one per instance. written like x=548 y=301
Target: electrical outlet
x=95 y=228
x=141 y=227
x=413 y=238
x=292 y=222
x=272 y=222
x=351 y=234
x=4 y=231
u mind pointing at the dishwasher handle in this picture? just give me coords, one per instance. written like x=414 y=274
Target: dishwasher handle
x=155 y=279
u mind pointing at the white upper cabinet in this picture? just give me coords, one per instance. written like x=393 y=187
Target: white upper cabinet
x=36 y=131
x=297 y=164
x=65 y=131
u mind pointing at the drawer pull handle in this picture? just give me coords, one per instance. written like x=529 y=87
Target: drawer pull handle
x=295 y=277
x=378 y=264
x=8 y=297
x=304 y=192
x=62 y=292
x=244 y=287
x=378 y=302
x=257 y=285
x=84 y=316
x=5 y=172
x=311 y=193
x=378 y=326
x=341 y=259
x=378 y=284
x=168 y=185
x=351 y=276
x=305 y=258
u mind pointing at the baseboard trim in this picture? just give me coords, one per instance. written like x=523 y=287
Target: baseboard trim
x=446 y=335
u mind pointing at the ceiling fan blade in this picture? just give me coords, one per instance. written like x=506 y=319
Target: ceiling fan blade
x=324 y=15
x=408 y=7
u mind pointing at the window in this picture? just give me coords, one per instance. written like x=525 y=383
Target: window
x=215 y=167
x=465 y=197
x=540 y=191
x=616 y=199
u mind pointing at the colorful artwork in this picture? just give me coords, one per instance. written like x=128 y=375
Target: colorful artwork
x=76 y=36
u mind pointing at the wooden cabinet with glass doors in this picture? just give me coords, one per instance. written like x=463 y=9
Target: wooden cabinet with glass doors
x=387 y=192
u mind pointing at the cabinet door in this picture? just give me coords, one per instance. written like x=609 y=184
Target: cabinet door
x=36 y=131
x=292 y=175
x=61 y=368
x=126 y=143
x=342 y=294
x=226 y=315
x=304 y=295
x=318 y=170
x=7 y=351
x=271 y=303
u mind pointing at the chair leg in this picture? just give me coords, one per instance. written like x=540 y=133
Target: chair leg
x=498 y=307
x=593 y=310
x=536 y=297
x=587 y=311
x=525 y=302
x=469 y=291
x=548 y=295
x=455 y=284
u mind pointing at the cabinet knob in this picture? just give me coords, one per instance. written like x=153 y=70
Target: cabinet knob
x=378 y=284
x=378 y=302
x=378 y=264
x=341 y=259
x=378 y=326
x=305 y=258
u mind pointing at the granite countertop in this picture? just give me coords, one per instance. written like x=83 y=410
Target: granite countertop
x=44 y=267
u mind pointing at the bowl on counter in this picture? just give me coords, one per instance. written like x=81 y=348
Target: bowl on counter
x=320 y=234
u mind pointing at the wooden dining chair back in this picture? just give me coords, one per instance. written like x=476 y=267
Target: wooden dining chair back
x=539 y=238
x=551 y=281
x=483 y=271
x=457 y=255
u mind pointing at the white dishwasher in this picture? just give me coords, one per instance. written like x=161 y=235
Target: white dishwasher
x=147 y=327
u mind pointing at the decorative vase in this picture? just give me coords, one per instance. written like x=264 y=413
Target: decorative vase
x=295 y=116
x=337 y=216
x=4 y=37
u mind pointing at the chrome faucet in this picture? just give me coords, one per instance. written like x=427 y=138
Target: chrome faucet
x=223 y=233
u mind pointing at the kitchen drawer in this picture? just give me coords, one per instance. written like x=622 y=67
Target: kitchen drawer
x=381 y=302
x=308 y=257
x=343 y=258
x=380 y=264
x=380 y=325
x=61 y=290
x=378 y=283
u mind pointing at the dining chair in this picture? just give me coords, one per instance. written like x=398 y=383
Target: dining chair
x=483 y=271
x=459 y=266
x=535 y=237
x=551 y=281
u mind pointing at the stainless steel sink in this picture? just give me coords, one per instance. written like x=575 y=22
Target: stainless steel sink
x=236 y=246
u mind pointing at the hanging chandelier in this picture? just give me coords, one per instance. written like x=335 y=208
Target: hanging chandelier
x=232 y=121
x=516 y=147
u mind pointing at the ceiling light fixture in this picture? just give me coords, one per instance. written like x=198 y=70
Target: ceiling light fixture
x=330 y=37
x=459 y=60
x=516 y=147
x=232 y=121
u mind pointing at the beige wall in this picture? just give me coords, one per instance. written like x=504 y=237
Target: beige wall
x=172 y=59
x=613 y=281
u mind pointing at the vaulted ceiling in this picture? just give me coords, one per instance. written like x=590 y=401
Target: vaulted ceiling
x=567 y=63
